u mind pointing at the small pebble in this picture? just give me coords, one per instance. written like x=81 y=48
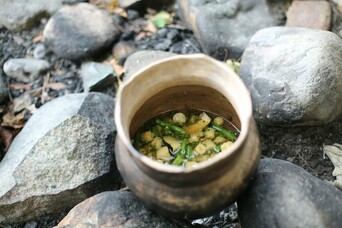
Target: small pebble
x=39 y=51
x=173 y=35
x=132 y=14
x=163 y=46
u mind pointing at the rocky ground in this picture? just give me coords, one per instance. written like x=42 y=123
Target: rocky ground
x=49 y=60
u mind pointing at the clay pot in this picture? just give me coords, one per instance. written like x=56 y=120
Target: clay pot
x=199 y=82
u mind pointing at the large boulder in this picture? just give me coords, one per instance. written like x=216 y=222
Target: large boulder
x=223 y=28
x=79 y=31
x=20 y=14
x=285 y=195
x=116 y=209
x=63 y=155
x=294 y=75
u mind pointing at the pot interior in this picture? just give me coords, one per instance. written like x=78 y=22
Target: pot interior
x=183 y=98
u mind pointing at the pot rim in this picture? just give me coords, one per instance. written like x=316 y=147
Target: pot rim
x=245 y=120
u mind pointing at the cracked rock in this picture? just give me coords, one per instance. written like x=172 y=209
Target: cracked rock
x=63 y=155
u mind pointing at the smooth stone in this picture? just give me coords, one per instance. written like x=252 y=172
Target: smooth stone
x=63 y=155
x=294 y=76
x=19 y=15
x=79 y=31
x=309 y=14
x=3 y=88
x=334 y=152
x=285 y=195
x=223 y=28
x=115 y=209
x=141 y=59
x=96 y=76
x=39 y=51
x=25 y=70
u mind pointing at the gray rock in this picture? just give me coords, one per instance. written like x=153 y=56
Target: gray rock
x=19 y=14
x=285 y=195
x=141 y=59
x=79 y=31
x=39 y=51
x=224 y=27
x=25 y=70
x=96 y=76
x=294 y=75
x=63 y=155
x=115 y=209
x=3 y=88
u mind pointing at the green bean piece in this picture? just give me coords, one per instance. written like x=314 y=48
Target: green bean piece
x=217 y=149
x=179 y=159
x=180 y=155
x=229 y=135
x=177 y=130
x=188 y=153
x=156 y=131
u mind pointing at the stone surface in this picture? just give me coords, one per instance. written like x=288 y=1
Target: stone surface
x=141 y=59
x=294 y=75
x=309 y=14
x=25 y=70
x=39 y=51
x=285 y=195
x=334 y=152
x=223 y=28
x=63 y=155
x=115 y=209
x=20 y=14
x=3 y=88
x=80 y=31
x=96 y=76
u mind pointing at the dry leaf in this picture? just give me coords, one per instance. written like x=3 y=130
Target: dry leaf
x=19 y=86
x=14 y=121
x=6 y=137
x=120 y=11
x=56 y=85
x=150 y=27
x=21 y=103
x=39 y=38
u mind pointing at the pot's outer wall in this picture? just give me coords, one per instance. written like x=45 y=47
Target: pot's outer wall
x=196 y=201
x=211 y=185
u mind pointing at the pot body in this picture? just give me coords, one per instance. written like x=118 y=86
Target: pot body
x=177 y=83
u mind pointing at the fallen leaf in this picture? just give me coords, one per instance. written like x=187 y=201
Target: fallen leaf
x=6 y=137
x=22 y=102
x=150 y=27
x=120 y=11
x=235 y=65
x=39 y=38
x=56 y=85
x=12 y=120
x=119 y=70
x=19 y=86
x=334 y=153
x=32 y=108
x=161 y=19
